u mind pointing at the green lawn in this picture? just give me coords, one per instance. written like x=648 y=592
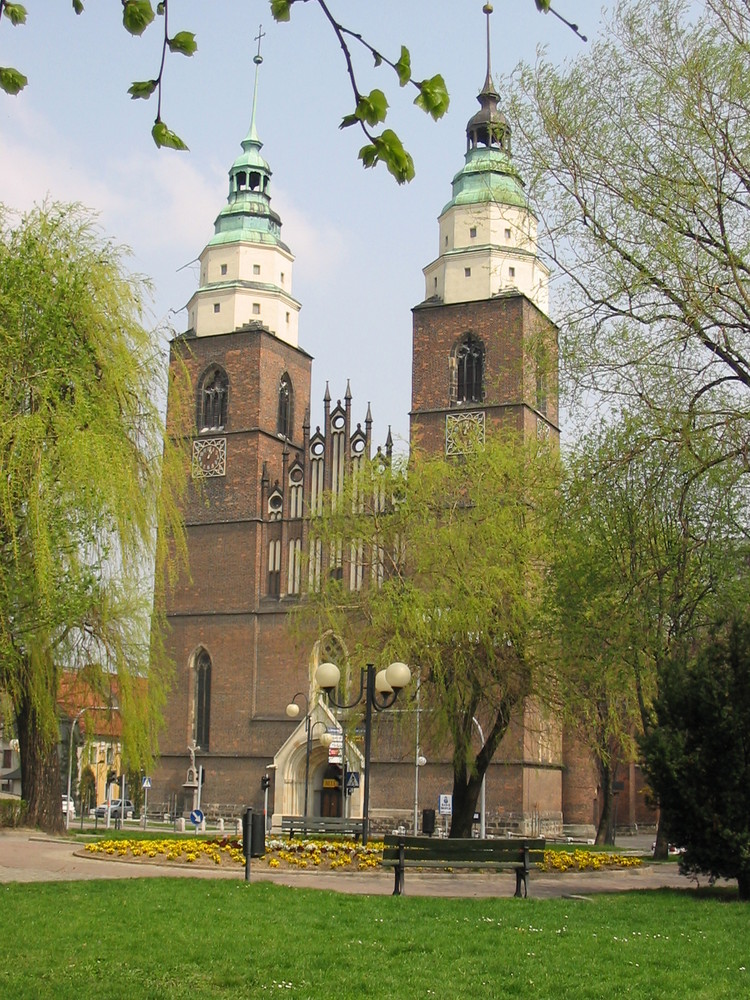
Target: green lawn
x=185 y=938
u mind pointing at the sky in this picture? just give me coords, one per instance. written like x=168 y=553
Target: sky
x=359 y=239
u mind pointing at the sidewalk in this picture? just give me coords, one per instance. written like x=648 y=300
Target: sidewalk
x=28 y=856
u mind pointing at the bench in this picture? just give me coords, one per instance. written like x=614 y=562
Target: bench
x=518 y=855
x=341 y=826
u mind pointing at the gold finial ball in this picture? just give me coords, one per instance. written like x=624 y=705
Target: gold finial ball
x=487 y=9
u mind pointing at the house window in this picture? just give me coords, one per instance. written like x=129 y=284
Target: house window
x=223 y=268
x=217 y=307
x=467 y=272
x=202 y=716
x=256 y=268
x=212 y=400
x=468 y=371
x=507 y=234
x=473 y=232
x=285 y=411
x=511 y=272
x=282 y=277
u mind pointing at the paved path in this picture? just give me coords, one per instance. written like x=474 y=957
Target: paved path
x=26 y=856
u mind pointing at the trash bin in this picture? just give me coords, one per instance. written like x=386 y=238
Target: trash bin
x=258 y=836
x=428 y=822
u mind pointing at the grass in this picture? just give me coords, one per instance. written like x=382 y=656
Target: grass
x=185 y=938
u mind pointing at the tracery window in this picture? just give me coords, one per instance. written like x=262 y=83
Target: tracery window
x=467 y=371
x=286 y=408
x=212 y=400
x=202 y=713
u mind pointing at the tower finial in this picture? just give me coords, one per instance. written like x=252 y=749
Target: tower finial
x=487 y=9
x=257 y=59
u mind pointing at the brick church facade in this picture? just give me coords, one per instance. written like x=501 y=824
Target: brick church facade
x=484 y=355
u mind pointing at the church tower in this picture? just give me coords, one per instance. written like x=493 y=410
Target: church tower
x=247 y=428
x=485 y=358
x=484 y=349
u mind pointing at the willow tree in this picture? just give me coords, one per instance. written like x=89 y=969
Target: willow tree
x=88 y=489
x=443 y=566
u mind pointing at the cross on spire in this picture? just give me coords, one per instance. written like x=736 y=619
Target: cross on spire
x=258 y=58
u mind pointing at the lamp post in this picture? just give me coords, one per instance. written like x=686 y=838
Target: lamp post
x=482 y=798
x=88 y=708
x=292 y=711
x=380 y=693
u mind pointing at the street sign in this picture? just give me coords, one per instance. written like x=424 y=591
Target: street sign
x=445 y=805
x=146 y=783
x=352 y=779
x=196 y=816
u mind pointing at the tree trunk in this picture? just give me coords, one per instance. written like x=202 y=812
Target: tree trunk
x=40 y=771
x=661 y=848
x=605 y=829
x=465 y=795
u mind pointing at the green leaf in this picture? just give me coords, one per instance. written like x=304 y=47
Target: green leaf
x=137 y=15
x=281 y=10
x=11 y=81
x=183 y=42
x=387 y=148
x=15 y=12
x=348 y=120
x=143 y=89
x=163 y=136
x=78 y=6
x=372 y=108
x=433 y=97
x=377 y=59
x=160 y=8
x=543 y=5
x=403 y=66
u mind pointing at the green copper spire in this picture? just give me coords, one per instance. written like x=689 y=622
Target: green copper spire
x=248 y=215
x=488 y=173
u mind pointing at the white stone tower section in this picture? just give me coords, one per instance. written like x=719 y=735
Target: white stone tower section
x=488 y=233
x=246 y=269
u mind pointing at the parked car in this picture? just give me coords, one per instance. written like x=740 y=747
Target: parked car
x=115 y=809
x=68 y=806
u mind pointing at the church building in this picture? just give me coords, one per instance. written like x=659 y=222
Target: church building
x=484 y=355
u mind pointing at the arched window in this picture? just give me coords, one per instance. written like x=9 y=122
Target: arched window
x=468 y=371
x=202 y=711
x=212 y=400
x=286 y=408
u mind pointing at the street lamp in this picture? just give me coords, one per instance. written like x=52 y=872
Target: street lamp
x=381 y=692
x=292 y=711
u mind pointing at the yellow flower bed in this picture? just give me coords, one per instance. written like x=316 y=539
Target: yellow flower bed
x=301 y=854
x=333 y=855
x=585 y=861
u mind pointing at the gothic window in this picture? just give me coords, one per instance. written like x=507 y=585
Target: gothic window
x=274 y=568
x=467 y=364
x=212 y=400
x=202 y=712
x=286 y=408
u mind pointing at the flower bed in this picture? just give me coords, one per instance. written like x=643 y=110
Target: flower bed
x=329 y=855
x=324 y=855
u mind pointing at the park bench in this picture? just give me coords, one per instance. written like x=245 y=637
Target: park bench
x=341 y=826
x=518 y=855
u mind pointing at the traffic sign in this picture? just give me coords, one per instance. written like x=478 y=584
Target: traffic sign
x=445 y=805
x=352 y=779
x=146 y=783
x=196 y=816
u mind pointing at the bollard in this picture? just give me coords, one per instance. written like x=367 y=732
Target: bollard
x=180 y=824
x=220 y=825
